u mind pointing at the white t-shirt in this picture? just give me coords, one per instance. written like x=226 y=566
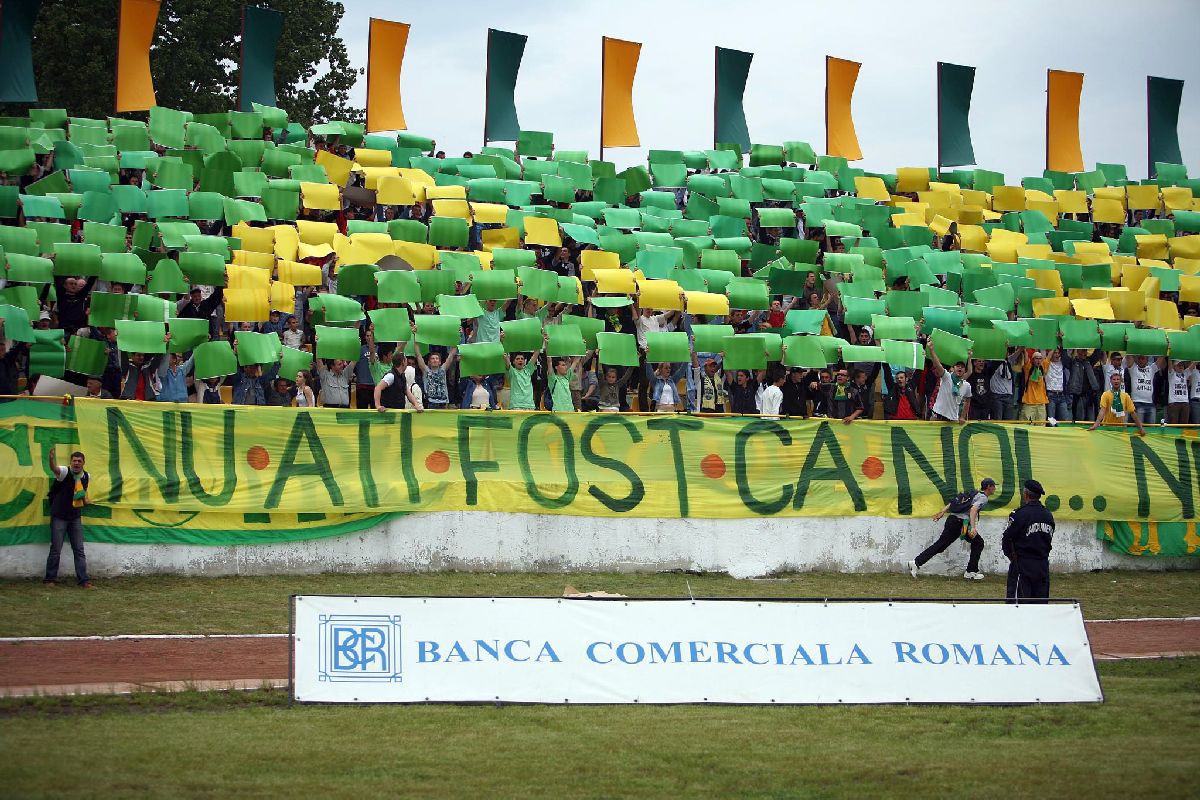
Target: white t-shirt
x=649 y=324
x=1054 y=377
x=1193 y=383
x=1142 y=381
x=292 y=338
x=948 y=404
x=979 y=501
x=1177 y=386
x=1109 y=369
x=772 y=400
x=480 y=397
x=665 y=396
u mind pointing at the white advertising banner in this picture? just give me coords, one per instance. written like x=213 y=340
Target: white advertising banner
x=535 y=650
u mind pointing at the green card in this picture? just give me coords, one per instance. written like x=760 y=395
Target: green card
x=29 y=269
x=16 y=323
x=611 y=302
x=950 y=348
x=167 y=279
x=464 y=306
x=86 y=356
x=950 y=320
x=337 y=308
x=338 y=343
x=494 y=284
x=904 y=328
x=1016 y=331
x=438 y=329
x=804 y=321
x=904 y=353
x=804 y=351
x=744 y=352
x=618 y=349
x=990 y=344
x=511 y=258
x=565 y=340
x=186 y=334
x=214 y=360
x=861 y=310
x=292 y=361
x=588 y=328
x=1184 y=345
x=47 y=355
x=522 y=335
x=398 y=286
x=1141 y=342
x=1002 y=296
x=391 y=324
x=202 y=269
x=711 y=338
x=137 y=336
x=541 y=284
x=669 y=347
x=482 y=358
x=1112 y=335
x=435 y=282
x=77 y=259
x=105 y=309
x=1079 y=333
x=748 y=293
x=257 y=348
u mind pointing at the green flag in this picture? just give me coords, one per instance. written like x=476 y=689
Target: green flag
x=1163 y=96
x=17 y=83
x=733 y=67
x=261 y=28
x=504 y=52
x=955 y=84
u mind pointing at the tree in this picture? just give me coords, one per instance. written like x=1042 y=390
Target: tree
x=194 y=58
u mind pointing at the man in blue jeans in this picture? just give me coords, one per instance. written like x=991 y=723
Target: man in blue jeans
x=68 y=496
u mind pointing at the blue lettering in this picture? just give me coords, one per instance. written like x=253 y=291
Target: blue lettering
x=801 y=654
x=548 y=652
x=591 y=652
x=857 y=653
x=508 y=649
x=359 y=648
x=750 y=658
x=699 y=652
x=637 y=649
x=1033 y=654
x=906 y=651
x=941 y=650
x=1056 y=655
x=972 y=656
x=427 y=652
x=672 y=654
x=1000 y=655
x=482 y=647
x=727 y=650
x=778 y=653
x=457 y=653
x=824 y=648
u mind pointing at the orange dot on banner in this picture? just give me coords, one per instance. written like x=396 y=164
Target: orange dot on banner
x=257 y=457
x=713 y=466
x=437 y=461
x=872 y=467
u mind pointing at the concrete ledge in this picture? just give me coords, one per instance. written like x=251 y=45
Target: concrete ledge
x=486 y=541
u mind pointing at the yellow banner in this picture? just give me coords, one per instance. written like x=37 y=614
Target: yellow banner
x=618 y=128
x=213 y=458
x=135 y=85
x=840 y=136
x=1063 y=152
x=385 y=58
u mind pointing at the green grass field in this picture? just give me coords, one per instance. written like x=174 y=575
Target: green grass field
x=1140 y=743
x=259 y=604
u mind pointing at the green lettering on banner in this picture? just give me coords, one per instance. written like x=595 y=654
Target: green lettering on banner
x=406 y=458
x=1180 y=486
x=673 y=425
x=188 y=445
x=944 y=482
x=824 y=439
x=49 y=438
x=531 y=485
x=469 y=466
x=16 y=439
x=304 y=430
x=1007 y=479
x=365 y=475
x=167 y=480
x=637 y=489
x=740 y=440
x=1024 y=461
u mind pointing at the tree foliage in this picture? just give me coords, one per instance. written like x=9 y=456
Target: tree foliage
x=194 y=58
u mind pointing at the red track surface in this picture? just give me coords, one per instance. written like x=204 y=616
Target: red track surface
x=96 y=663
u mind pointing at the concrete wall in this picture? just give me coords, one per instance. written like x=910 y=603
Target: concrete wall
x=543 y=543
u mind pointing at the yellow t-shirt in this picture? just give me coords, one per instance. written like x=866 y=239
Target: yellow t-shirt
x=1035 y=391
x=1107 y=417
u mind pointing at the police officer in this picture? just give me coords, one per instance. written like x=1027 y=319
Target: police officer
x=1027 y=543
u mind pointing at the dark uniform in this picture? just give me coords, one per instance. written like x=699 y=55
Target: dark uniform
x=1027 y=543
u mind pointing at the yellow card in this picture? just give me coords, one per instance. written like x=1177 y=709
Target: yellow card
x=1093 y=309
x=542 y=231
x=336 y=167
x=299 y=274
x=707 y=303
x=321 y=196
x=282 y=297
x=419 y=255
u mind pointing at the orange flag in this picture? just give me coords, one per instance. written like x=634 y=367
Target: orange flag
x=135 y=33
x=1063 y=152
x=385 y=58
x=618 y=128
x=840 y=137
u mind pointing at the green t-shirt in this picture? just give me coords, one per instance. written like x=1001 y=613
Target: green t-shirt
x=520 y=386
x=560 y=391
x=487 y=327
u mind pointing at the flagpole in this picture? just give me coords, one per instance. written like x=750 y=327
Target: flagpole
x=715 y=90
x=487 y=81
x=939 y=120
x=1149 y=144
x=603 y=63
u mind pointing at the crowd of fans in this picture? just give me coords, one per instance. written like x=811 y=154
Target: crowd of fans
x=1048 y=384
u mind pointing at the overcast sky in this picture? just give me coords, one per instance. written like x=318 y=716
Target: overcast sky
x=1012 y=44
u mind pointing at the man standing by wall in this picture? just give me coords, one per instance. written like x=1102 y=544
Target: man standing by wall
x=68 y=496
x=1027 y=543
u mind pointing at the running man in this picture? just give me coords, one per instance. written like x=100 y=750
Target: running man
x=962 y=510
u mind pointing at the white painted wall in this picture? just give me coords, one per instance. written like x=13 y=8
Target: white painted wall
x=544 y=543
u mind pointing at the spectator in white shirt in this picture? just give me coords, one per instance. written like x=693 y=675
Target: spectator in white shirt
x=772 y=396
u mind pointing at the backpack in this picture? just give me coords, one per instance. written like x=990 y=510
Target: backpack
x=962 y=502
